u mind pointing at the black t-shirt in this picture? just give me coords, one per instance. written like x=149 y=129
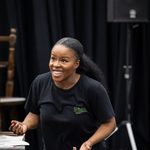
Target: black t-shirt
x=68 y=117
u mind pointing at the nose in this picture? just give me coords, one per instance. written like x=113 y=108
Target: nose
x=56 y=63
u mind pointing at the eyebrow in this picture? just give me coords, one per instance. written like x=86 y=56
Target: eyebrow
x=61 y=56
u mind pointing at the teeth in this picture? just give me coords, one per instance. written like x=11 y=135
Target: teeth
x=57 y=73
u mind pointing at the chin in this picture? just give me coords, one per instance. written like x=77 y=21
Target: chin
x=56 y=79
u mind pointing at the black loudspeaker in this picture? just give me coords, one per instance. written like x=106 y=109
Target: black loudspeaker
x=128 y=10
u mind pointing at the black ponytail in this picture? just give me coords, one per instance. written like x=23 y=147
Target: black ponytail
x=91 y=69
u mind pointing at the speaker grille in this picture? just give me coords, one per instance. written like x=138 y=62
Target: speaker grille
x=128 y=10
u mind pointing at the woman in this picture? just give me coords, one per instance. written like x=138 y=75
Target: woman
x=69 y=103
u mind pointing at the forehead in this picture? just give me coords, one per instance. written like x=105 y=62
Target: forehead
x=62 y=51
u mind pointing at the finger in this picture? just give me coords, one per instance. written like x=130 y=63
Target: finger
x=19 y=129
x=74 y=148
x=13 y=125
x=14 y=121
x=88 y=146
x=15 y=128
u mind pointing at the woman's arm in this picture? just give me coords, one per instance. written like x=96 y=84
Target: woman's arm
x=101 y=133
x=31 y=121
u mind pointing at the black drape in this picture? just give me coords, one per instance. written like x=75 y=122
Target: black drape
x=40 y=23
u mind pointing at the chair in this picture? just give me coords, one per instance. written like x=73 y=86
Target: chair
x=8 y=100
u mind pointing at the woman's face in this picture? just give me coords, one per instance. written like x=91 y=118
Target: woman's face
x=63 y=63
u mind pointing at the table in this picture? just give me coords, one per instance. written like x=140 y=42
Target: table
x=11 y=141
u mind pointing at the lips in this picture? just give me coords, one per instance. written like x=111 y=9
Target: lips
x=57 y=73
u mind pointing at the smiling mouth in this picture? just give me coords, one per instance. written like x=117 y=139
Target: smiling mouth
x=57 y=73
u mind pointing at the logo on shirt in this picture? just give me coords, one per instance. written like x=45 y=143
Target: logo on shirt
x=79 y=110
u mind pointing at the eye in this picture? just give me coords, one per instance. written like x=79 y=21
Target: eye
x=52 y=58
x=64 y=60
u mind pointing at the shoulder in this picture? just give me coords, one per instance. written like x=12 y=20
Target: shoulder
x=92 y=87
x=42 y=78
x=89 y=82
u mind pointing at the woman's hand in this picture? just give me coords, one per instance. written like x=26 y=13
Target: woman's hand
x=18 y=127
x=86 y=146
x=30 y=122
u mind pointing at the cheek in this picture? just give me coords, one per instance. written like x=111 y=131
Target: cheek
x=70 y=68
x=49 y=65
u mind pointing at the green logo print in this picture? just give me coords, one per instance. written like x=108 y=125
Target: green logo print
x=79 y=110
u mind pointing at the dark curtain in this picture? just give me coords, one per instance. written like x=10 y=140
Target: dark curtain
x=40 y=23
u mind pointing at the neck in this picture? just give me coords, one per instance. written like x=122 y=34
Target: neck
x=69 y=83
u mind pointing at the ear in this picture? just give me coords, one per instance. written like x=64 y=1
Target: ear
x=77 y=64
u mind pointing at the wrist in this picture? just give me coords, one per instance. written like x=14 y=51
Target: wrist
x=25 y=126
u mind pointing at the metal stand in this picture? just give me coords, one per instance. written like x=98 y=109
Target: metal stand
x=127 y=76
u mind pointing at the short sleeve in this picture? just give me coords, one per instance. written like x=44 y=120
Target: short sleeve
x=32 y=99
x=100 y=103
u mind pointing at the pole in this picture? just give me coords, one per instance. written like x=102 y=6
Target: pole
x=127 y=76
